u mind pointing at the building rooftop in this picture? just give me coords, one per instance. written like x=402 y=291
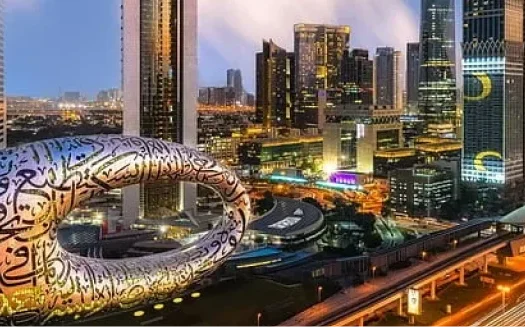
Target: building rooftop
x=516 y=217
x=395 y=153
x=443 y=146
x=289 y=218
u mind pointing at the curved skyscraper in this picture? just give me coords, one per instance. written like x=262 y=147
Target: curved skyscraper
x=437 y=76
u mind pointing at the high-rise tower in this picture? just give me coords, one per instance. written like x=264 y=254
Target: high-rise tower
x=234 y=80
x=319 y=51
x=357 y=76
x=3 y=106
x=387 y=81
x=437 y=76
x=412 y=77
x=493 y=71
x=275 y=86
x=160 y=91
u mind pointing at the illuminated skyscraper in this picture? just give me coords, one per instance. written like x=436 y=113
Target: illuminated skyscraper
x=160 y=90
x=3 y=107
x=357 y=76
x=387 y=79
x=319 y=51
x=412 y=77
x=437 y=76
x=275 y=86
x=493 y=86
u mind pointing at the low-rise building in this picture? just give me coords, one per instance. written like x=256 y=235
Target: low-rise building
x=266 y=155
x=421 y=191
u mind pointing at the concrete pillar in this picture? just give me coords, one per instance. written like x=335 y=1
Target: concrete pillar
x=485 y=264
x=433 y=290
x=400 y=306
x=361 y=322
x=462 y=275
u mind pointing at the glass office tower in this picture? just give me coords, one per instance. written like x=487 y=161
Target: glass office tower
x=387 y=78
x=437 y=77
x=493 y=87
x=275 y=75
x=160 y=91
x=3 y=107
x=412 y=77
x=358 y=77
x=319 y=51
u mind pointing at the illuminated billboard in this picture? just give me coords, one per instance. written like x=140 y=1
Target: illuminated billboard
x=414 y=302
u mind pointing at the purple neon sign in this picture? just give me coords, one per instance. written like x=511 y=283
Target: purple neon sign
x=344 y=177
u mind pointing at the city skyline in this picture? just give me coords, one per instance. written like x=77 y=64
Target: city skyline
x=327 y=163
x=234 y=47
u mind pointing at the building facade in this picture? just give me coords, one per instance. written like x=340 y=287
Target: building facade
x=357 y=77
x=493 y=86
x=275 y=79
x=3 y=106
x=354 y=133
x=267 y=155
x=234 y=81
x=160 y=91
x=437 y=77
x=412 y=78
x=319 y=51
x=217 y=96
x=387 y=79
x=421 y=191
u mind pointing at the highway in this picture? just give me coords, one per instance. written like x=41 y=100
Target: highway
x=514 y=316
x=341 y=309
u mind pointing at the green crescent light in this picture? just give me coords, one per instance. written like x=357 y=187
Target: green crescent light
x=478 y=160
x=486 y=85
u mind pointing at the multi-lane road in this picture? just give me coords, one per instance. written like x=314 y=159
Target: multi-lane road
x=342 y=309
x=514 y=316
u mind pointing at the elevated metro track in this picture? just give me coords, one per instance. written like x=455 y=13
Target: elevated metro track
x=343 y=309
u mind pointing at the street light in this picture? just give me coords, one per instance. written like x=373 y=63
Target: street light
x=423 y=255
x=374 y=268
x=319 y=293
x=504 y=290
x=455 y=243
x=259 y=315
x=195 y=295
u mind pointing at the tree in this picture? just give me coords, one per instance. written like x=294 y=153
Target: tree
x=265 y=204
x=386 y=211
x=451 y=210
x=365 y=221
x=343 y=210
x=313 y=202
x=372 y=240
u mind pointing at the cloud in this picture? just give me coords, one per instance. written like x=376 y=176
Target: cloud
x=234 y=29
x=15 y=5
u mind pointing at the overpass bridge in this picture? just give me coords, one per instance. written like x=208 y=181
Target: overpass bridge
x=356 y=304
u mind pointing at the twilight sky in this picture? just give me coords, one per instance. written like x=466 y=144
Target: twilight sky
x=58 y=45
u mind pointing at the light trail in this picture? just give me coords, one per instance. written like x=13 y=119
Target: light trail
x=513 y=317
